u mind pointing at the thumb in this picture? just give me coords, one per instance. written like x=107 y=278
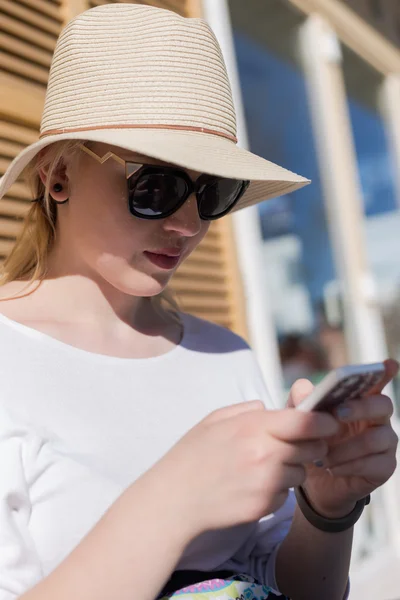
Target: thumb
x=391 y=370
x=300 y=390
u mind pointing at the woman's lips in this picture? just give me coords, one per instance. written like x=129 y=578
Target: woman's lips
x=164 y=261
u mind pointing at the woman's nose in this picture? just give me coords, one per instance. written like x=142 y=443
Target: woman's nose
x=186 y=220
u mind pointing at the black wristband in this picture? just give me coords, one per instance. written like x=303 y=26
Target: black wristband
x=325 y=524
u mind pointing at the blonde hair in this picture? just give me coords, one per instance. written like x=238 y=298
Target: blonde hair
x=28 y=260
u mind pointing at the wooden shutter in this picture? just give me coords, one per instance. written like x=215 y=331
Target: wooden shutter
x=208 y=284
x=30 y=29
x=14 y=206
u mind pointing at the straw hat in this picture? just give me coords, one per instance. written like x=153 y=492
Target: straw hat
x=152 y=82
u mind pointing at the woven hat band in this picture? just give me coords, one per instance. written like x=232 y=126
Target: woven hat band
x=135 y=126
x=119 y=64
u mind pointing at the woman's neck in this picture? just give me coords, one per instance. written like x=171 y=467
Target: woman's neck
x=76 y=311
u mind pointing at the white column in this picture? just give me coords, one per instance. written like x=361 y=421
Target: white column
x=339 y=176
x=247 y=228
x=390 y=103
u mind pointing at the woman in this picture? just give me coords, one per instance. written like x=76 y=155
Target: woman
x=138 y=458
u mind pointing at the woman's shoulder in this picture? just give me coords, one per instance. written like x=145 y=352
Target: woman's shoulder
x=15 y=301
x=211 y=336
x=15 y=290
x=237 y=364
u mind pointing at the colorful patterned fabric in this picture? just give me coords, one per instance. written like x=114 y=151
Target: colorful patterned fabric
x=240 y=587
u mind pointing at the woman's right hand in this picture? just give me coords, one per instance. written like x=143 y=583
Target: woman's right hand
x=238 y=464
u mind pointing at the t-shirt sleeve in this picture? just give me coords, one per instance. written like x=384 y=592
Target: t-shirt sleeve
x=20 y=567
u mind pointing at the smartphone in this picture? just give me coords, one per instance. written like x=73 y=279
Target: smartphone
x=345 y=383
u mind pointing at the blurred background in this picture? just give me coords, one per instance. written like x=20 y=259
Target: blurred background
x=311 y=280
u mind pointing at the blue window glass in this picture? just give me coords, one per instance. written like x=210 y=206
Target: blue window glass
x=375 y=168
x=279 y=129
x=298 y=266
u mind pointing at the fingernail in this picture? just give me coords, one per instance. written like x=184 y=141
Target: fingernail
x=318 y=463
x=343 y=412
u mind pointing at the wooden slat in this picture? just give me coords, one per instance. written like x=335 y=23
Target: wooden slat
x=209 y=251
x=93 y=3
x=196 y=271
x=194 y=8
x=26 y=15
x=48 y=8
x=187 y=284
x=3 y=165
x=15 y=46
x=203 y=302
x=5 y=247
x=235 y=285
x=28 y=33
x=213 y=233
x=213 y=262
x=19 y=190
x=21 y=67
x=14 y=107
x=18 y=133
x=10 y=207
x=217 y=311
x=211 y=241
x=9 y=148
x=9 y=228
x=72 y=8
x=202 y=289
x=177 y=6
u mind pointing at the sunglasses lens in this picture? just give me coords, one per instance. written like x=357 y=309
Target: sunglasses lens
x=155 y=195
x=219 y=196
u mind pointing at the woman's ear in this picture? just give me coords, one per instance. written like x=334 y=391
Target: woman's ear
x=59 y=184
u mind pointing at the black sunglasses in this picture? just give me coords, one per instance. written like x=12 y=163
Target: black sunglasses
x=156 y=192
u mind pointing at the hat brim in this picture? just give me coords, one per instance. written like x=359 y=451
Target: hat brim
x=202 y=152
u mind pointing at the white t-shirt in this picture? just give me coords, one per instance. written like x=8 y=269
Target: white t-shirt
x=77 y=428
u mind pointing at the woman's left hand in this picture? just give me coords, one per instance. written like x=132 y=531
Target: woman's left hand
x=360 y=458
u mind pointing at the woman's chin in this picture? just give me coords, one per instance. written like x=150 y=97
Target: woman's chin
x=139 y=284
